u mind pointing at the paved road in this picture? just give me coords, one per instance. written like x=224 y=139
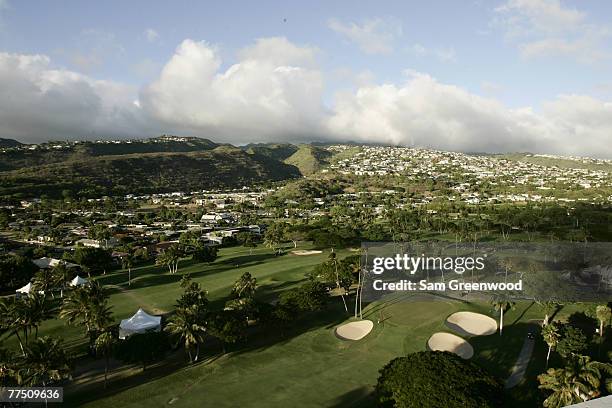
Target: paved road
x=518 y=371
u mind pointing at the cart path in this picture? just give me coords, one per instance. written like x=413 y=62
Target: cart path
x=520 y=367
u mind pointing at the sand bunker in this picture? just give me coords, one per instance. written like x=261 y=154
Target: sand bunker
x=354 y=330
x=471 y=324
x=303 y=252
x=449 y=342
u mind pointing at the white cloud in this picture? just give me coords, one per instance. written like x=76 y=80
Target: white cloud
x=442 y=54
x=270 y=92
x=543 y=28
x=274 y=92
x=527 y=16
x=425 y=112
x=151 y=35
x=39 y=103
x=374 y=36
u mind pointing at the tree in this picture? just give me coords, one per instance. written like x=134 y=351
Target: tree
x=188 y=324
x=44 y=362
x=93 y=259
x=579 y=381
x=436 y=379
x=189 y=328
x=560 y=382
x=192 y=295
x=274 y=235
x=15 y=271
x=294 y=234
x=243 y=296
x=170 y=258
x=87 y=306
x=244 y=287
x=501 y=303
x=127 y=262
x=21 y=316
x=551 y=336
x=105 y=344
x=229 y=326
x=101 y=233
x=603 y=314
x=573 y=341
x=61 y=275
x=247 y=240
x=336 y=271
x=205 y=253
x=310 y=297
x=44 y=281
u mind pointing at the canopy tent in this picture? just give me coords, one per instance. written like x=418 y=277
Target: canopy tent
x=78 y=281
x=46 y=263
x=141 y=322
x=26 y=290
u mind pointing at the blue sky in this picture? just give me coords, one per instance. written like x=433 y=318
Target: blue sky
x=451 y=74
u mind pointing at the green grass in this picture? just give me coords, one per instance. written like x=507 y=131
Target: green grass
x=156 y=291
x=309 y=366
x=305 y=365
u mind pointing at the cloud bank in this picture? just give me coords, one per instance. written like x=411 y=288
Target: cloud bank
x=544 y=28
x=274 y=92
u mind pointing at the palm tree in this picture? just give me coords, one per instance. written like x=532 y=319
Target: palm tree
x=11 y=319
x=19 y=316
x=551 y=336
x=37 y=309
x=61 y=275
x=559 y=381
x=334 y=263
x=127 y=262
x=104 y=344
x=87 y=306
x=45 y=361
x=245 y=286
x=604 y=314
x=44 y=281
x=549 y=307
x=189 y=327
x=501 y=303
x=578 y=382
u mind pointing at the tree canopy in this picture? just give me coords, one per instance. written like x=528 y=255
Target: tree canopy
x=436 y=379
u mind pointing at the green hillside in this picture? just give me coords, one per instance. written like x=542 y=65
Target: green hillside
x=222 y=167
x=8 y=143
x=56 y=152
x=277 y=151
x=309 y=159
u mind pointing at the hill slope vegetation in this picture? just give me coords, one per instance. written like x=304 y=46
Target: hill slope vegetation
x=222 y=167
x=309 y=159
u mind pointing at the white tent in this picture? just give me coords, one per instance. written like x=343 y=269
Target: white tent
x=78 y=281
x=26 y=290
x=141 y=322
x=46 y=263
